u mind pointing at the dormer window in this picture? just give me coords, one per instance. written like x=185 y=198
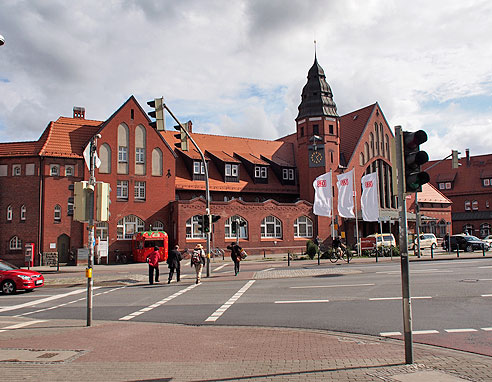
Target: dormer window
x=288 y=174
x=445 y=186
x=260 y=172
x=198 y=168
x=231 y=169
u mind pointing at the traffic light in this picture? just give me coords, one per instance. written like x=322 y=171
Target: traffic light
x=234 y=227
x=157 y=113
x=82 y=199
x=103 y=191
x=455 y=159
x=414 y=158
x=183 y=138
x=199 y=220
x=206 y=223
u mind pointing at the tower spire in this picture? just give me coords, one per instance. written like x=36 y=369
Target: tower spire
x=315 y=59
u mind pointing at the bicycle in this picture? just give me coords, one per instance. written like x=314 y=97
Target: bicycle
x=346 y=255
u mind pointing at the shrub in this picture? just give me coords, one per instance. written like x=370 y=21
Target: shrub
x=311 y=249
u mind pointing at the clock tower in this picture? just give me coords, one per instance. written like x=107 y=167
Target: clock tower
x=318 y=131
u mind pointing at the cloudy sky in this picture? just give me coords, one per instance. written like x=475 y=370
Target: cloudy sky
x=237 y=67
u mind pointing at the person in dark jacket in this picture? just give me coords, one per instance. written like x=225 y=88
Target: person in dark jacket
x=173 y=261
x=153 y=261
x=235 y=256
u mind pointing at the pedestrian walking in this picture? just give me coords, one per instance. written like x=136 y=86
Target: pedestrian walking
x=235 y=256
x=198 y=261
x=153 y=261
x=174 y=263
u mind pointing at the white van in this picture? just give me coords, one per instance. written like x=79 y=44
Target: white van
x=384 y=239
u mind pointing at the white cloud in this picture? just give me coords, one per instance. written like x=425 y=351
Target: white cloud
x=238 y=67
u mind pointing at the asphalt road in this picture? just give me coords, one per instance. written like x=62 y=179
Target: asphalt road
x=451 y=300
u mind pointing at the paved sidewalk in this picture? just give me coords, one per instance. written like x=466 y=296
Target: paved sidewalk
x=62 y=350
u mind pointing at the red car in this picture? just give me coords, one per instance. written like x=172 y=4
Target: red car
x=13 y=278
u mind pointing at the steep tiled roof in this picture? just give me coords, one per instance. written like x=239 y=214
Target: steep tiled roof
x=67 y=137
x=430 y=194
x=252 y=149
x=351 y=127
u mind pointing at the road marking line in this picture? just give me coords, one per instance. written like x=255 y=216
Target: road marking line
x=399 y=298
x=486 y=329
x=219 y=312
x=486 y=267
x=425 y=332
x=486 y=295
x=330 y=286
x=387 y=334
x=37 y=302
x=268 y=269
x=20 y=325
x=156 y=304
x=219 y=268
x=460 y=330
x=299 y=301
x=418 y=271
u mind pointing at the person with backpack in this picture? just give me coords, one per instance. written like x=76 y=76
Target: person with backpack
x=198 y=261
x=153 y=261
x=173 y=262
x=235 y=256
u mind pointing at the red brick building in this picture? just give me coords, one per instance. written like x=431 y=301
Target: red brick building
x=265 y=184
x=469 y=187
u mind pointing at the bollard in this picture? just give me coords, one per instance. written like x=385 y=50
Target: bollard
x=483 y=249
x=432 y=251
x=319 y=252
x=377 y=252
x=263 y=253
x=457 y=250
x=288 y=259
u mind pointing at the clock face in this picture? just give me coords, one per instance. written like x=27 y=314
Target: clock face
x=316 y=157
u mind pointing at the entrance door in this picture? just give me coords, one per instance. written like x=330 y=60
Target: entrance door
x=63 y=245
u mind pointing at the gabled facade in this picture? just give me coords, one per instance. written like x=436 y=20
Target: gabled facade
x=155 y=185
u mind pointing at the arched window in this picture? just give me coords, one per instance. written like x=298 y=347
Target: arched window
x=475 y=205
x=58 y=212
x=303 y=227
x=9 y=213
x=158 y=226
x=376 y=130
x=484 y=229
x=366 y=151
x=192 y=231
x=467 y=205
x=468 y=228
x=123 y=139
x=105 y=157
x=157 y=162
x=371 y=145
x=242 y=228
x=23 y=212
x=386 y=144
x=128 y=226
x=271 y=227
x=361 y=159
x=140 y=150
x=15 y=243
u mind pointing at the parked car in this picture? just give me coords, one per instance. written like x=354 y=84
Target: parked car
x=466 y=243
x=384 y=239
x=488 y=239
x=427 y=240
x=13 y=278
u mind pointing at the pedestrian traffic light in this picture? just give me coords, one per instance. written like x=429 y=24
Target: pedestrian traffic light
x=455 y=159
x=413 y=158
x=81 y=194
x=206 y=223
x=234 y=227
x=103 y=201
x=181 y=136
x=199 y=221
x=157 y=113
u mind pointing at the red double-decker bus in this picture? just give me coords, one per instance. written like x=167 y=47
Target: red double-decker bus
x=143 y=244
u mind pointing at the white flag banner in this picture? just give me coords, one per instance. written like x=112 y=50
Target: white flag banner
x=322 y=195
x=87 y=157
x=369 y=198
x=345 y=185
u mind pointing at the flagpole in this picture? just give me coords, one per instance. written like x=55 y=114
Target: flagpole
x=356 y=219
x=332 y=210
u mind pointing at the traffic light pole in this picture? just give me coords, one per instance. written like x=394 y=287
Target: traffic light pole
x=207 y=191
x=90 y=262
x=405 y=279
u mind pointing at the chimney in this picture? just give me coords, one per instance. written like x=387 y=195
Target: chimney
x=190 y=126
x=467 y=157
x=79 y=112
